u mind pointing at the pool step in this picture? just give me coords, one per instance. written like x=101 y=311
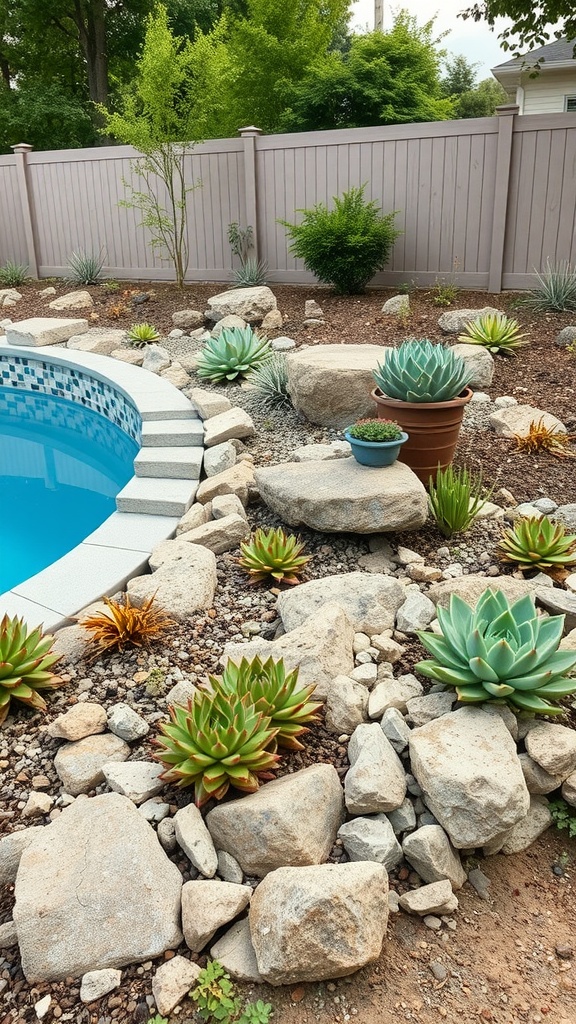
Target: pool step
x=157 y=496
x=172 y=433
x=174 y=463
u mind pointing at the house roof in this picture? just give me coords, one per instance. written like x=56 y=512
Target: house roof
x=557 y=52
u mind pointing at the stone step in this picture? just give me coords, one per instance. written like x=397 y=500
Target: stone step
x=173 y=463
x=157 y=496
x=172 y=433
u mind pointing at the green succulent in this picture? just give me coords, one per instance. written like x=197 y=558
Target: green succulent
x=217 y=741
x=273 y=692
x=534 y=543
x=25 y=663
x=420 y=371
x=376 y=430
x=140 y=335
x=496 y=332
x=500 y=652
x=273 y=553
x=235 y=352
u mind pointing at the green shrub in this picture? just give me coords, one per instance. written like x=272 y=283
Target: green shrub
x=556 y=290
x=375 y=430
x=563 y=816
x=13 y=274
x=455 y=499
x=444 y=294
x=85 y=267
x=345 y=246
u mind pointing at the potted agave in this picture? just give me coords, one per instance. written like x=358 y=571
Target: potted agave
x=425 y=388
x=375 y=442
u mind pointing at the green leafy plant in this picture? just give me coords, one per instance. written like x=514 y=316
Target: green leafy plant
x=270 y=383
x=85 y=267
x=234 y=353
x=274 y=693
x=345 y=246
x=555 y=292
x=455 y=499
x=497 y=651
x=420 y=371
x=158 y=1019
x=563 y=816
x=25 y=665
x=141 y=335
x=241 y=240
x=252 y=272
x=496 y=332
x=110 y=286
x=375 y=430
x=215 y=742
x=444 y=293
x=13 y=274
x=126 y=625
x=541 y=438
x=533 y=543
x=216 y=999
x=275 y=554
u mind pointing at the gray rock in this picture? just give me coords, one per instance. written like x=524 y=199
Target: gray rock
x=470 y=587
x=181 y=693
x=393 y=693
x=371 y=839
x=296 y=913
x=72 y=300
x=251 y=304
x=331 y=384
x=226 y=323
x=96 y=984
x=433 y=705
x=565 y=337
x=346 y=705
x=516 y=421
x=126 y=723
x=138 y=780
x=388 y=650
x=11 y=850
x=85 y=719
x=398 y=304
x=167 y=835
x=538 y=781
x=188 y=318
x=220 y=457
x=183 y=585
x=526 y=832
x=480 y=883
x=375 y=781
x=207 y=906
x=293 y=820
x=395 y=729
x=226 y=505
x=416 y=612
x=156 y=358
x=282 y=344
x=403 y=819
x=37 y=804
x=436 y=898
x=196 y=515
x=99 y=871
x=235 y=423
x=370 y=599
x=229 y=868
x=429 y=852
x=234 y=950
x=79 y=765
x=453 y=321
x=506 y=714
x=194 y=838
x=43 y=330
x=559 y=602
x=545 y=505
x=208 y=403
x=8 y=935
x=366 y=674
x=322 y=452
x=154 y=810
x=567 y=515
x=553 y=747
x=479 y=363
x=100 y=341
x=220 y=535
x=172 y=982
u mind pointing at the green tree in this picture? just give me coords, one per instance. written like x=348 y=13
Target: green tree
x=531 y=23
x=47 y=118
x=460 y=76
x=385 y=78
x=469 y=98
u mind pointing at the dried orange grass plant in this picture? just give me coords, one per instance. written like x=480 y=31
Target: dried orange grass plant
x=541 y=438
x=126 y=625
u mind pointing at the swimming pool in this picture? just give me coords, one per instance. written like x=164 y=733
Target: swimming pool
x=61 y=467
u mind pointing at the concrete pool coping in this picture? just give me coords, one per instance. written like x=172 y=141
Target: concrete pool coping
x=120 y=547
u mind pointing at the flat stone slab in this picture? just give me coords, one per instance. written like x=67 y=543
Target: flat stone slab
x=44 y=330
x=341 y=496
x=331 y=384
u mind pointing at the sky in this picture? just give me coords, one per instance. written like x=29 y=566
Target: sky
x=472 y=39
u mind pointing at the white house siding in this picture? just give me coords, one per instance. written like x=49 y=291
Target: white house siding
x=545 y=94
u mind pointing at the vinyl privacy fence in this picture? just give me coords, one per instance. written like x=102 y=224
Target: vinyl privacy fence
x=482 y=202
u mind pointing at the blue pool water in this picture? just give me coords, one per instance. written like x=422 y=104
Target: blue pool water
x=61 y=467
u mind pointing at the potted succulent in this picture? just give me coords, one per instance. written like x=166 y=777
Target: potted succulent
x=424 y=386
x=375 y=442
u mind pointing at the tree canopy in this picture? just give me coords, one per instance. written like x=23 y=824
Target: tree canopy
x=469 y=98
x=532 y=24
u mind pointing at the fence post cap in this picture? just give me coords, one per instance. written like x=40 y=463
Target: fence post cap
x=22 y=147
x=250 y=130
x=507 y=108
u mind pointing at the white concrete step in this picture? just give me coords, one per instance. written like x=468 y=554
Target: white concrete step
x=172 y=433
x=157 y=496
x=174 y=463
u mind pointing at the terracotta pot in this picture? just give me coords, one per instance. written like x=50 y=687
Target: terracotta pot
x=433 y=429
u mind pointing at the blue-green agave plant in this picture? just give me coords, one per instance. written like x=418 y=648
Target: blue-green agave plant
x=232 y=354
x=420 y=371
x=500 y=652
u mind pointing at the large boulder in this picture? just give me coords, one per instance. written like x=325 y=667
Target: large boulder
x=340 y=496
x=479 y=362
x=291 y=821
x=453 y=321
x=182 y=585
x=331 y=384
x=471 y=587
x=251 y=304
x=94 y=890
x=516 y=420
x=468 y=769
x=321 y=648
x=314 y=923
x=370 y=599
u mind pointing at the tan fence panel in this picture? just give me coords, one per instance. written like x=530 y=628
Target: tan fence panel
x=12 y=240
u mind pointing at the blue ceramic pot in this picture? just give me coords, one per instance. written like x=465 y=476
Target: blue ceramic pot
x=375 y=453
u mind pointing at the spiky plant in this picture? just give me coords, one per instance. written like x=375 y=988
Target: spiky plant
x=421 y=371
x=217 y=741
x=556 y=289
x=12 y=274
x=234 y=353
x=273 y=553
x=126 y=625
x=85 y=267
x=500 y=652
x=274 y=692
x=533 y=543
x=141 y=335
x=252 y=272
x=456 y=498
x=496 y=332
x=541 y=438
x=270 y=383
x=25 y=665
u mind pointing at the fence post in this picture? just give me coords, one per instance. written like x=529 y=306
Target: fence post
x=250 y=134
x=506 y=116
x=20 y=155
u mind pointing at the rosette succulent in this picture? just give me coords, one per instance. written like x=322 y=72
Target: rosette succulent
x=496 y=332
x=500 y=652
x=25 y=665
x=534 y=543
x=273 y=553
x=420 y=371
x=217 y=741
x=232 y=354
x=274 y=692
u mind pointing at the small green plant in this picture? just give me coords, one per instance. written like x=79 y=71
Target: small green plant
x=444 y=293
x=85 y=267
x=25 y=665
x=252 y=272
x=375 y=430
x=274 y=554
x=502 y=652
x=234 y=353
x=110 y=286
x=155 y=683
x=563 y=816
x=420 y=371
x=556 y=290
x=533 y=543
x=345 y=246
x=241 y=240
x=274 y=692
x=158 y=1019
x=13 y=274
x=141 y=335
x=216 y=999
x=495 y=331
x=216 y=742
x=270 y=382
x=456 y=499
